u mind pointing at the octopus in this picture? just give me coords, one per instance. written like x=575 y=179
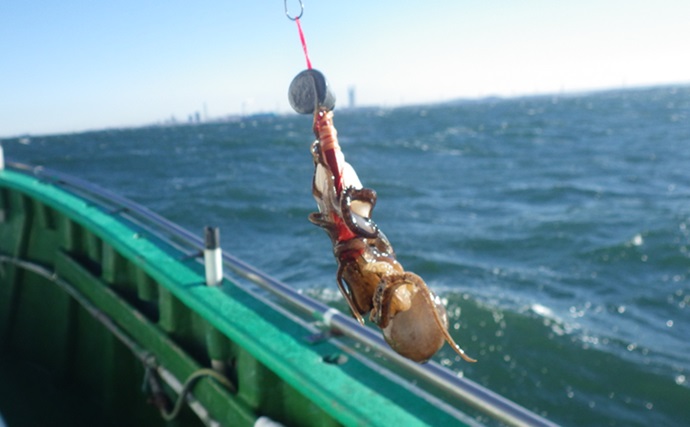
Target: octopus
x=412 y=318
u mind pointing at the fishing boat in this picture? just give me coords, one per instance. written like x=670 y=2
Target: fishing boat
x=111 y=315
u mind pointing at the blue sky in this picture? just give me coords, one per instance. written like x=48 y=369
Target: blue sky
x=75 y=65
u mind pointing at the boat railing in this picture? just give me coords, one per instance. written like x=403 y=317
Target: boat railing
x=449 y=383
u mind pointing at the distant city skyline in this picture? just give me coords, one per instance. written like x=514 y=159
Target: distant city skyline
x=78 y=65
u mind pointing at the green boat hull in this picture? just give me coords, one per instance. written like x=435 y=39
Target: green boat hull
x=106 y=319
x=92 y=307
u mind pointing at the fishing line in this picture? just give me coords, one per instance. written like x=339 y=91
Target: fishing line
x=299 y=29
x=304 y=43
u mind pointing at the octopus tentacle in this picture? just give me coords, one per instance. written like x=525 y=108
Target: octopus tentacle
x=345 y=291
x=356 y=221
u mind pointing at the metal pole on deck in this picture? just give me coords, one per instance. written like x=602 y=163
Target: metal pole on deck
x=213 y=256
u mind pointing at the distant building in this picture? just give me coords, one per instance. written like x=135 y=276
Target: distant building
x=351 y=97
x=194 y=118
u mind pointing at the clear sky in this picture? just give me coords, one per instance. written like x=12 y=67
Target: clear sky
x=73 y=65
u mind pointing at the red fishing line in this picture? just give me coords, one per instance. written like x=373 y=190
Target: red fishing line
x=304 y=43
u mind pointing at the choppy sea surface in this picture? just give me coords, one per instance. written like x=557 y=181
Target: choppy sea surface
x=557 y=228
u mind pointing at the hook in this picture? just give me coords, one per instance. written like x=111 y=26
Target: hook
x=301 y=11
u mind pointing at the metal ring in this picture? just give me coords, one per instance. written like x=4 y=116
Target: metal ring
x=287 y=13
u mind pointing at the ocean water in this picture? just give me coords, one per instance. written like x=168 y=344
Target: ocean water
x=557 y=228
